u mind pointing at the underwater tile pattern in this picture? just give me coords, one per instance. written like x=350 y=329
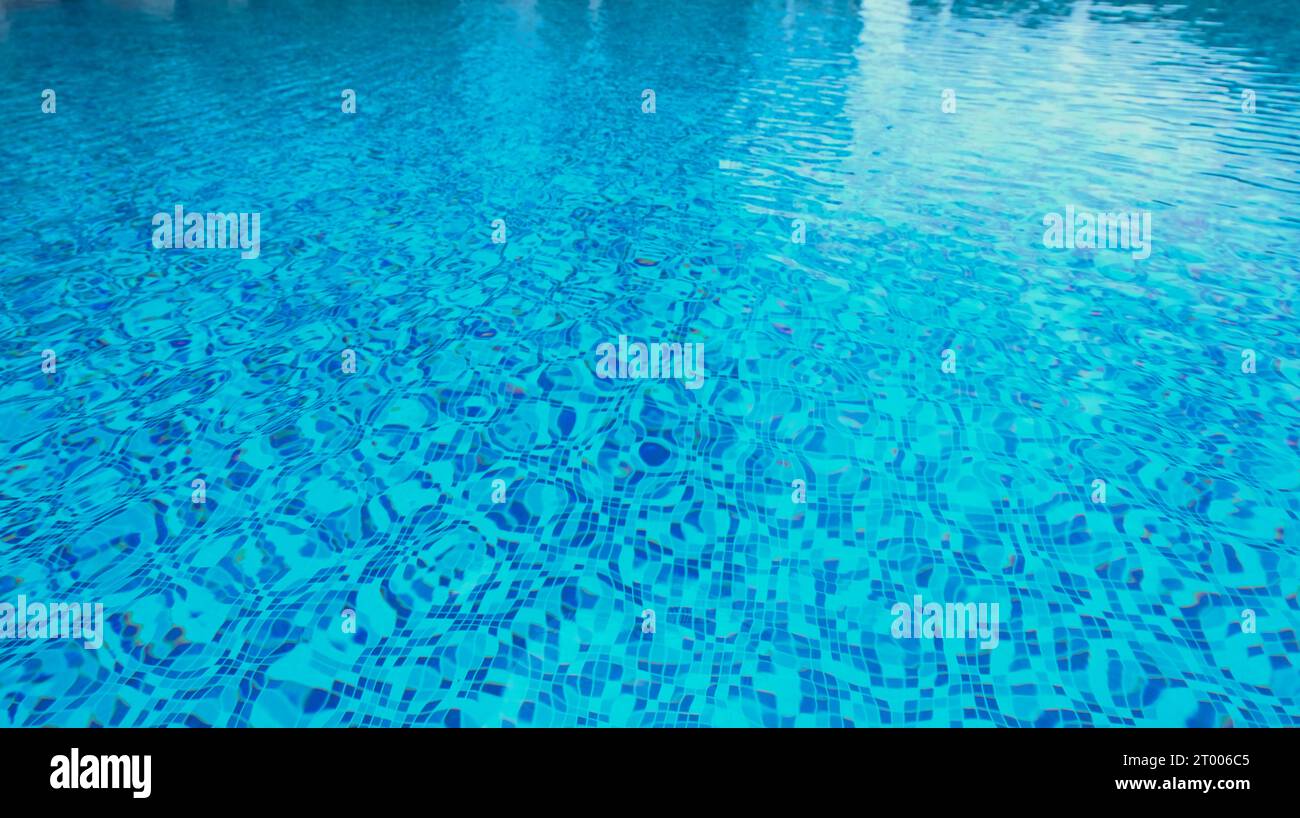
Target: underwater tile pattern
x=372 y=492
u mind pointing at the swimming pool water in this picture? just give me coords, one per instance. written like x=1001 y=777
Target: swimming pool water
x=922 y=219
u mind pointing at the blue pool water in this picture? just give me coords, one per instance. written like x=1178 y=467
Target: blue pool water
x=373 y=492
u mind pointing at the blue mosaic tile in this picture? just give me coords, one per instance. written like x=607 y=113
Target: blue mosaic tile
x=470 y=528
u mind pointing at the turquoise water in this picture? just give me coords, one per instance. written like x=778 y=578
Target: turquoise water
x=372 y=492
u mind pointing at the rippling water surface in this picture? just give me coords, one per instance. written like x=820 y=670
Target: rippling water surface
x=373 y=492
